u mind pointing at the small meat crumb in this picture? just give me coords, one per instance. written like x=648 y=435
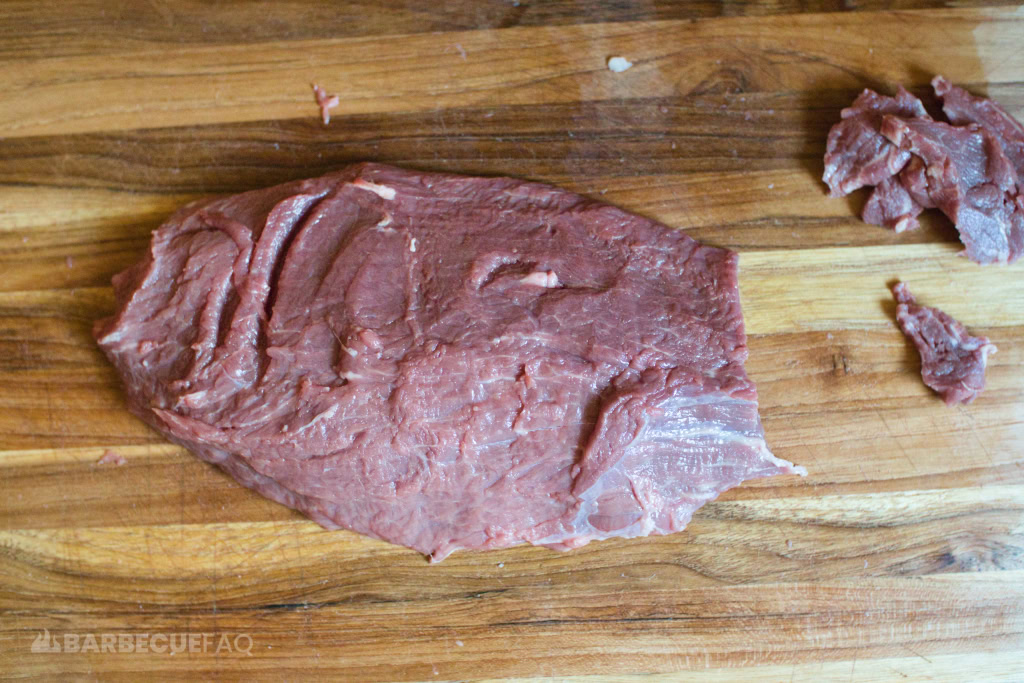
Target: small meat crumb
x=69 y=262
x=619 y=64
x=111 y=458
x=325 y=101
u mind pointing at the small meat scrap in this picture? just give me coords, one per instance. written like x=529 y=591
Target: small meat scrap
x=325 y=101
x=963 y=108
x=968 y=168
x=952 y=361
x=111 y=458
x=969 y=178
x=857 y=154
x=619 y=64
x=892 y=205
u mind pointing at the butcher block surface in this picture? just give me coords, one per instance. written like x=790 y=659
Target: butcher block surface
x=899 y=557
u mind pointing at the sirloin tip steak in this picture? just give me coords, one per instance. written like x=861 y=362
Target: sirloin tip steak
x=444 y=361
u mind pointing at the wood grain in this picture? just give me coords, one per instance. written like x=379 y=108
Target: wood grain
x=96 y=27
x=515 y=66
x=998 y=666
x=900 y=555
x=653 y=627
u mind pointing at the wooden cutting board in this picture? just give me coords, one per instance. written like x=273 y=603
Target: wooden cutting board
x=900 y=556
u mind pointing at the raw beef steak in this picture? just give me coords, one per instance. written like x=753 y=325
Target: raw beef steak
x=443 y=361
x=952 y=361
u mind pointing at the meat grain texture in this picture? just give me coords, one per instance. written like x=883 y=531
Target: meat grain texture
x=969 y=168
x=952 y=361
x=445 y=362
